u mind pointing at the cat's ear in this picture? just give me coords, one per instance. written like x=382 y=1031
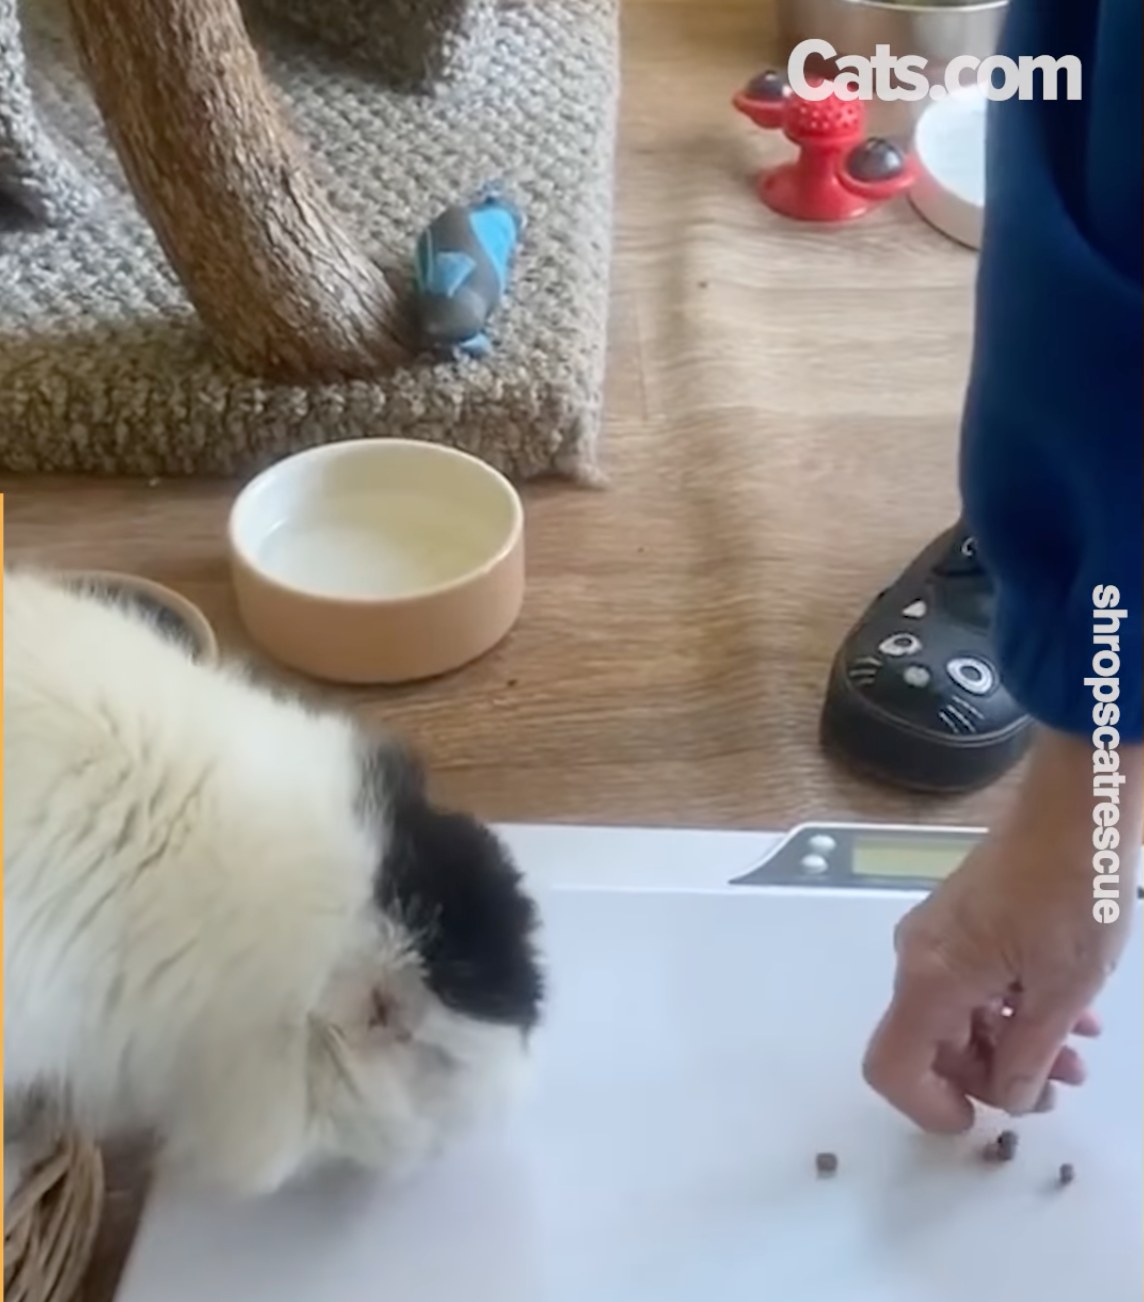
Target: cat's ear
x=384 y=1015
x=392 y=773
x=375 y=999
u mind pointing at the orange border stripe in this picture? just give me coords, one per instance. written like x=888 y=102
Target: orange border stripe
x=1 y=842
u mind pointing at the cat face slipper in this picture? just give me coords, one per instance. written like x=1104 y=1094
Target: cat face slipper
x=915 y=696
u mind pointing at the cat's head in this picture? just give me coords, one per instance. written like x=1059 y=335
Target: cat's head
x=426 y=1022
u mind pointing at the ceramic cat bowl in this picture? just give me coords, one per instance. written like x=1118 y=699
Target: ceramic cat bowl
x=378 y=561
x=172 y=614
x=950 y=147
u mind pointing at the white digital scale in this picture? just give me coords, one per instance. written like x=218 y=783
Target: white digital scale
x=711 y=998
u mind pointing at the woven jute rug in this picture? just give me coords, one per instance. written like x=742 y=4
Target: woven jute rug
x=103 y=365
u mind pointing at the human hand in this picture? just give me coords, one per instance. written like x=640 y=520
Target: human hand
x=998 y=966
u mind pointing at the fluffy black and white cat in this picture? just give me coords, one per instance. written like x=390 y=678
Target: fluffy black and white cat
x=233 y=922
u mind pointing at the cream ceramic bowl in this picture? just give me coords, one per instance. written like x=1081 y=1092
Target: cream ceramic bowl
x=378 y=561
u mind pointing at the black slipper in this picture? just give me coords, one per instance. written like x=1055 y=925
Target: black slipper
x=915 y=696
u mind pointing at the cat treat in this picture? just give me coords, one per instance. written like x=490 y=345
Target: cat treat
x=1003 y=1148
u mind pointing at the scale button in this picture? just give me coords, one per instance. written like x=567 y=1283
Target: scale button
x=915 y=610
x=813 y=863
x=916 y=676
x=900 y=644
x=820 y=843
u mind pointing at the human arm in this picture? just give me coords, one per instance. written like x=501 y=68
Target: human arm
x=1051 y=454
x=1000 y=963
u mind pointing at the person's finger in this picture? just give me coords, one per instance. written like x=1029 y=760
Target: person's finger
x=1029 y=1045
x=1088 y=1025
x=966 y=1070
x=902 y=1056
x=974 y=1078
x=970 y=1066
x=1047 y=1100
x=1069 y=1068
x=992 y=1018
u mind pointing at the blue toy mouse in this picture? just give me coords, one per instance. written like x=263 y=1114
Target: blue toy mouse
x=462 y=265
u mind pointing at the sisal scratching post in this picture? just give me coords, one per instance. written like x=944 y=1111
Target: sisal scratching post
x=421 y=45
x=238 y=290
x=38 y=182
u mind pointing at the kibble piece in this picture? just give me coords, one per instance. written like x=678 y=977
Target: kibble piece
x=1067 y=1173
x=1001 y=1149
x=826 y=1163
x=1007 y=1145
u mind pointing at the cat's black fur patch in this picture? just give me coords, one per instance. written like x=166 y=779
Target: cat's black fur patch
x=449 y=879
x=391 y=771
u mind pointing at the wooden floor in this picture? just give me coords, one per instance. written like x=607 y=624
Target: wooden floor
x=781 y=436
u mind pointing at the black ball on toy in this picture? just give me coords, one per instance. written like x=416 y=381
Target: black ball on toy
x=767 y=85
x=875 y=160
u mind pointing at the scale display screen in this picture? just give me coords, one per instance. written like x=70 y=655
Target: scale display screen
x=930 y=856
x=872 y=856
x=864 y=856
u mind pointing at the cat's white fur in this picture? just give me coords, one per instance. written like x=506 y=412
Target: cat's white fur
x=190 y=946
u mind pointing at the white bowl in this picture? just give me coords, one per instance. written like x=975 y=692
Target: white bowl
x=378 y=561
x=949 y=144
